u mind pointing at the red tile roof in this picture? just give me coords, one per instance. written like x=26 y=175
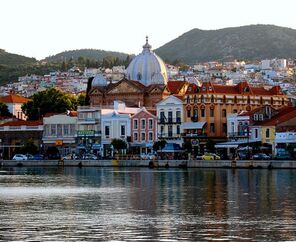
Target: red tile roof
x=12 y=98
x=175 y=86
x=192 y=89
x=22 y=122
x=284 y=115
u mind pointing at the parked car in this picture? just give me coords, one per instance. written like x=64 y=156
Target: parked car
x=89 y=157
x=71 y=157
x=211 y=156
x=199 y=157
x=30 y=157
x=19 y=157
x=149 y=156
x=261 y=156
x=38 y=157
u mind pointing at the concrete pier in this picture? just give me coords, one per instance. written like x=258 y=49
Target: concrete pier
x=267 y=164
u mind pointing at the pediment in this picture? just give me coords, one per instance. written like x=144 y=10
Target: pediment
x=125 y=87
x=95 y=91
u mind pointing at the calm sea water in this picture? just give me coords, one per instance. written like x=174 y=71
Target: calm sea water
x=103 y=204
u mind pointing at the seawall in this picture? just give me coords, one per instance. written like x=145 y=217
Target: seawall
x=267 y=164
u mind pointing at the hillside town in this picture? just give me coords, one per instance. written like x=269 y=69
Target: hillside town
x=231 y=109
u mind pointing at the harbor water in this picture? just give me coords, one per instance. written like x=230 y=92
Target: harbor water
x=124 y=204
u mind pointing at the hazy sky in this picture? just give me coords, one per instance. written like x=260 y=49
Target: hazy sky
x=38 y=28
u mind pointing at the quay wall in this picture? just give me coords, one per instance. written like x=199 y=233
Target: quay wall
x=285 y=164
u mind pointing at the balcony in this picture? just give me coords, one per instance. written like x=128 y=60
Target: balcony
x=193 y=135
x=194 y=119
x=169 y=136
x=238 y=135
x=88 y=121
x=169 y=121
x=88 y=133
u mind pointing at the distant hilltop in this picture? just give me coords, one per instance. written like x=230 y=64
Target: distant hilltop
x=92 y=54
x=253 y=42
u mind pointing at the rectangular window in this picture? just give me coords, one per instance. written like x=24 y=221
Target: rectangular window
x=224 y=113
x=150 y=136
x=143 y=124
x=256 y=133
x=178 y=116
x=188 y=113
x=107 y=131
x=161 y=130
x=150 y=126
x=178 y=129
x=162 y=117
x=135 y=123
x=143 y=136
x=59 y=130
x=72 y=129
x=203 y=112
x=170 y=117
x=122 y=130
x=53 y=129
x=211 y=112
x=212 y=127
x=135 y=136
x=66 y=129
x=170 y=131
x=224 y=128
x=267 y=133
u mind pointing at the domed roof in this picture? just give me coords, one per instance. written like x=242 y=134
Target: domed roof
x=147 y=67
x=99 y=81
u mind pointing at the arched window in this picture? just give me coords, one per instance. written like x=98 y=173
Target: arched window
x=261 y=100
x=249 y=100
x=202 y=98
x=235 y=99
x=188 y=99
x=224 y=99
x=212 y=99
x=194 y=98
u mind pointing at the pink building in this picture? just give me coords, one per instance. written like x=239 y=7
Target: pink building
x=143 y=131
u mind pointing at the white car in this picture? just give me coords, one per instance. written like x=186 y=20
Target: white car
x=20 y=157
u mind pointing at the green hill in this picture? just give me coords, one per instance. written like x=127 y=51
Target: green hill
x=85 y=53
x=246 y=42
x=9 y=59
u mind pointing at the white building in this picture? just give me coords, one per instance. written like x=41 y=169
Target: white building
x=14 y=104
x=169 y=118
x=60 y=132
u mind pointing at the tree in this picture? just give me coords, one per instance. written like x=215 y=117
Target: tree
x=48 y=101
x=4 y=112
x=81 y=99
x=118 y=144
x=29 y=147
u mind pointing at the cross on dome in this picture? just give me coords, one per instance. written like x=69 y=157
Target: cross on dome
x=147 y=47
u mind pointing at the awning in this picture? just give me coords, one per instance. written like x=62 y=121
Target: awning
x=192 y=125
x=231 y=144
x=171 y=147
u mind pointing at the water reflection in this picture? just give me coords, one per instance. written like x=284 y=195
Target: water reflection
x=141 y=204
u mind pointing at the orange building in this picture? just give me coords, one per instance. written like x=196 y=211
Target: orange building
x=207 y=106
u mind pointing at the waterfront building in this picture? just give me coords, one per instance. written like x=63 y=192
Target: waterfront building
x=211 y=103
x=14 y=104
x=169 y=119
x=143 y=131
x=60 y=132
x=88 y=129
x=15 y=134
x=115 y=124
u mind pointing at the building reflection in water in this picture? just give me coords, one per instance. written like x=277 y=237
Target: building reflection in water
x=117 y=203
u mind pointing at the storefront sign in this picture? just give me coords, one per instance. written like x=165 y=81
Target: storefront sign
x=85 y=132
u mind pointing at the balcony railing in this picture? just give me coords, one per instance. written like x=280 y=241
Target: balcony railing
x=193 y=135
x=169 y=121
x=238 y=135
x=169 y=136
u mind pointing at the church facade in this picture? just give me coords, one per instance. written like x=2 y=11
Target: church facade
x=144 y=85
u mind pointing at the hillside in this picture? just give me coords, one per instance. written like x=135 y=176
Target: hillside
x=86 y=53
x=246 y=42
x=9 y=59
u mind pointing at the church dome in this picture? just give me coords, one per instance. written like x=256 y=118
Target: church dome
x=98 y=81
x=147 y=68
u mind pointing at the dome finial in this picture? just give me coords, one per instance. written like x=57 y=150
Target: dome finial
x=147 y=47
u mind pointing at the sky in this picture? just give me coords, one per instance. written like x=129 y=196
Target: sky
x=39 y=28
